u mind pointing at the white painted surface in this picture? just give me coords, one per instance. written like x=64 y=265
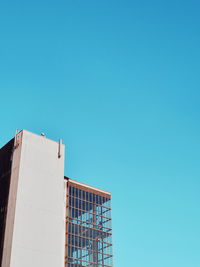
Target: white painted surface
x=39 y=225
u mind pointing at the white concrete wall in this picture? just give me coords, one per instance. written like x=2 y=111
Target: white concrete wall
x=39 y=223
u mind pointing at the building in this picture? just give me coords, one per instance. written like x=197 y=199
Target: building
x=47 y=219
x=89 y=230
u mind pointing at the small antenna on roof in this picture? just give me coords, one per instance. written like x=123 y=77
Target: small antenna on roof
x=59 y=148
x=16 y=140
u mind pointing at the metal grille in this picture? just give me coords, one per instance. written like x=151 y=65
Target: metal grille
x=89 y=237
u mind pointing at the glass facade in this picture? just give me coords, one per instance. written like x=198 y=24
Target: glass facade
x=88 y=234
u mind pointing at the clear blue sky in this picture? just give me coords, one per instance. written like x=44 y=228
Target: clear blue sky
x=119 y=81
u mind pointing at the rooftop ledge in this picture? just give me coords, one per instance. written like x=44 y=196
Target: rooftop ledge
x=88 y=188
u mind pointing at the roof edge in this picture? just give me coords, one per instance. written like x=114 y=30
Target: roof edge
x=89 y=187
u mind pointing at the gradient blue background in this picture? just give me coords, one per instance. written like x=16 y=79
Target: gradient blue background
x=119 y=81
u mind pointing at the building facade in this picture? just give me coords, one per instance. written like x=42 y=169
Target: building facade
x=88 y=226
x=47 y=219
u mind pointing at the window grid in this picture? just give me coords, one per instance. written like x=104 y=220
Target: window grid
x=89 y=229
